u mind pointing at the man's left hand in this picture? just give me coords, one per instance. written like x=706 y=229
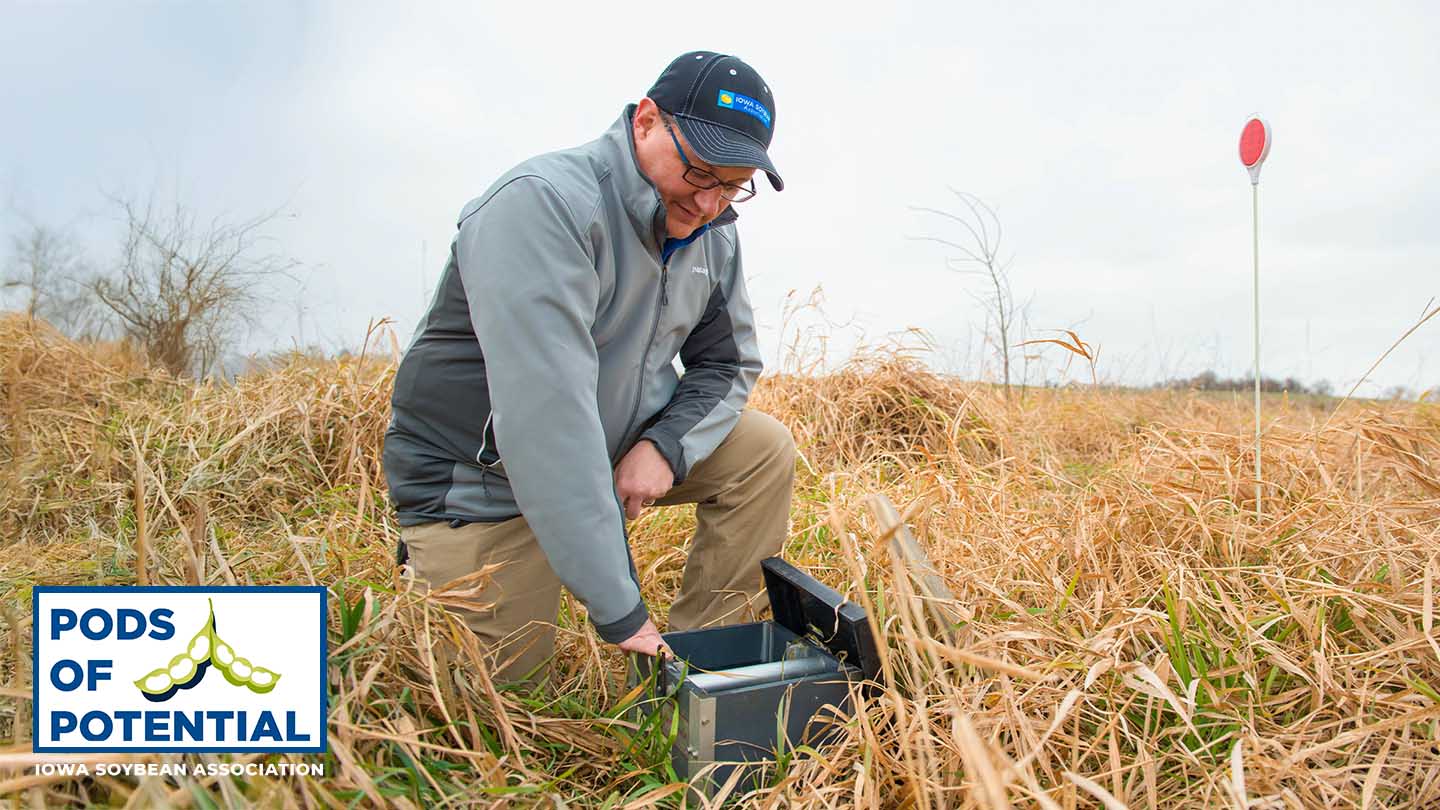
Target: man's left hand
x=642 y=477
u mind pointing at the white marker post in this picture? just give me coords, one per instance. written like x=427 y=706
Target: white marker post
x=1254 y=148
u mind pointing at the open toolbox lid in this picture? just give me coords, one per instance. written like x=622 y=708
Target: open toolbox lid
x=809 y=608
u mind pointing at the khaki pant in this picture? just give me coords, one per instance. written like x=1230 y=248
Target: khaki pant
x=742 y=497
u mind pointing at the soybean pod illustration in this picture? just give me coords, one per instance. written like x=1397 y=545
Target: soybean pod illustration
x=187 y=669
x=240 y=671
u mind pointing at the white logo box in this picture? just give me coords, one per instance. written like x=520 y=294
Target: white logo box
x=86 y=663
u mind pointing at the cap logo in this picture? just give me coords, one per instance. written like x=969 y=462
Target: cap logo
x=735 y=101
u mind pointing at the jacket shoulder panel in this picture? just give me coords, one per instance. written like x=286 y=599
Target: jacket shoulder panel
x=570 y=175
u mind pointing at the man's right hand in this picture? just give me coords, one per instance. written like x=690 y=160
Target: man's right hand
x=646 y=641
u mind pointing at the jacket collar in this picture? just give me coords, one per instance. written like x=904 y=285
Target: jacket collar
x=642 y=202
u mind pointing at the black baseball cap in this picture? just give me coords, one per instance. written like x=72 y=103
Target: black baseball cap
x=725 y=109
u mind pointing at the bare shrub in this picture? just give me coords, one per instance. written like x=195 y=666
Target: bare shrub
x=47 y=267
x=980 y=256
x=182 y=288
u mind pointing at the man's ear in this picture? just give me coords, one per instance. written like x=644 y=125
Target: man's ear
x=647 y=117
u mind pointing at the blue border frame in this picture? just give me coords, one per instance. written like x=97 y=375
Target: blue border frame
x=40 y=590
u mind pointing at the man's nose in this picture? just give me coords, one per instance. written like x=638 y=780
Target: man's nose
x=709 y=201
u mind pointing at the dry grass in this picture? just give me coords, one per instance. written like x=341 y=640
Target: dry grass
x=1125 y=633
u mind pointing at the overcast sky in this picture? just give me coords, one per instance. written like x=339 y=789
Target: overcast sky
x=1103 y=135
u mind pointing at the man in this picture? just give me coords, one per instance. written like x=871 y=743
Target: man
x=538 y=408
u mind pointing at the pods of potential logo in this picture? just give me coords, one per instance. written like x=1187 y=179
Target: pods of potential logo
x=735 y=101
x=172 y=669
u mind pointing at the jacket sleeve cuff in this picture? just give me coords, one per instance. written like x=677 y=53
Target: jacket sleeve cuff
x=670 y=450
x=617 y=631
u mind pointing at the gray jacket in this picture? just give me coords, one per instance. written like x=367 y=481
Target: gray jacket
x=547 y=353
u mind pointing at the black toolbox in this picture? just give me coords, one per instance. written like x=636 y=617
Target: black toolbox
x=737 y=687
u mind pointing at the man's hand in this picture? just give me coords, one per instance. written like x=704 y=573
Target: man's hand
x=642 y=476
x=646 y=641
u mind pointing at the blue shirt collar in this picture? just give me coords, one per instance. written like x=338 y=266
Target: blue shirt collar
x=672 y=244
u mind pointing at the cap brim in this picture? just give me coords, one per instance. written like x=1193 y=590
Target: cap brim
x=721 y=146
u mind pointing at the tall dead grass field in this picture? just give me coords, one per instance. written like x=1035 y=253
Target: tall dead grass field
x=1124 y=631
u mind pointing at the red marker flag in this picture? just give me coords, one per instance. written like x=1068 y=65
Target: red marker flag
x=1254 y=146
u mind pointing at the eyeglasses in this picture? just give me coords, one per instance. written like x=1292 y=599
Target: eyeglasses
x=700 y=178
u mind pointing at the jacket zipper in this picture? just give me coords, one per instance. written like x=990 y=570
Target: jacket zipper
x=660 y=302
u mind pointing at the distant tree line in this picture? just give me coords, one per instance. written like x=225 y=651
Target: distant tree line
x=1210 y=381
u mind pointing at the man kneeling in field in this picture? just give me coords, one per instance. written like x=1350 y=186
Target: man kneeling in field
x=537 y=408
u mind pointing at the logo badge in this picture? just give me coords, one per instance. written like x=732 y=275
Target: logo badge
x=731 y=100
x=179 y=669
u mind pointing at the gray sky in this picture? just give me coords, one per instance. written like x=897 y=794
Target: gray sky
x=1104 y=135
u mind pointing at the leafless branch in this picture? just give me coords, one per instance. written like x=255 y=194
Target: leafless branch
x=49 y=267
x=181 y=288
x=979 y=245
